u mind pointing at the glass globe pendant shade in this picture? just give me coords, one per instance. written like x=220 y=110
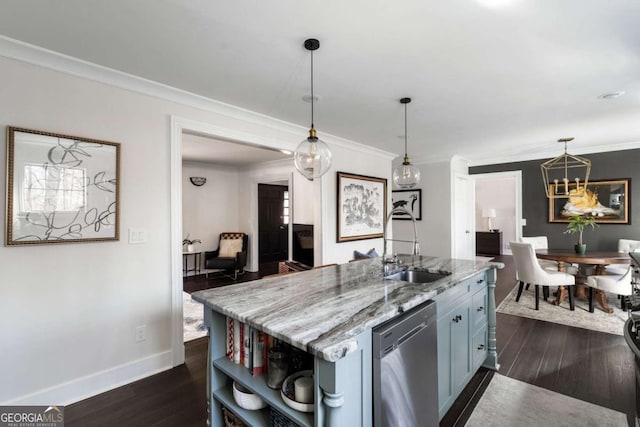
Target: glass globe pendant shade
x=406 y=176
x=312 y=157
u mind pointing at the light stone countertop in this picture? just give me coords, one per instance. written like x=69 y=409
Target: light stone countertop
x=322 y=311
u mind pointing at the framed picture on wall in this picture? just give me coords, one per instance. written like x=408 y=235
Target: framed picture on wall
x=61 y=188
x=607 y=201
x=362 y=207
x=411 y=200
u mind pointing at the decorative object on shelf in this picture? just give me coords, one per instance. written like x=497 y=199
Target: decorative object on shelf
x=406 y=175
x=198 y=181
x=190 y=243
x=577 y=225
x=312 y=157
x=555 y=189
x=362 y=207
x=61 y=188
x=607 y=201
x=245 y=399
x=411 y=200
x=277 y=367
x=230 y=419
x=489 y=213
x=288 y=392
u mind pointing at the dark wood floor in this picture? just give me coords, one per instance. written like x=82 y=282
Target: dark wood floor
x=588 y=365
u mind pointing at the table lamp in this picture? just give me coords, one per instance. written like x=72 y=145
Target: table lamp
x=489 y=213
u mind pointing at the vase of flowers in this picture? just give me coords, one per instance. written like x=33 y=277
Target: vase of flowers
x=577 y=225
x=190 y=243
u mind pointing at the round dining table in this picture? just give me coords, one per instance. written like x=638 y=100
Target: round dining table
x=598 y=259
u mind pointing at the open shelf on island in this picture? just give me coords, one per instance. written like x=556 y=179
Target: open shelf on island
x=257 y=418
x=258 y=385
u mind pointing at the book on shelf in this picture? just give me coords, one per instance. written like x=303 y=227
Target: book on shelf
x=248 y=347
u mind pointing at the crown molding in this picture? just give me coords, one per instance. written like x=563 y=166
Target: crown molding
x=45 y=58
x=548 y=154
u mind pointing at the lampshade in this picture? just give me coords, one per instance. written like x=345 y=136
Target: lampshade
x=555 y=173
x=313 y=156
x=488 y=213
x=406 y=175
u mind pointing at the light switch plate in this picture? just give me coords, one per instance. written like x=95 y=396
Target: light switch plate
x=137 y=236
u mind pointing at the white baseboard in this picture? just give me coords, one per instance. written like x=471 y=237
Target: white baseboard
x=90 y=385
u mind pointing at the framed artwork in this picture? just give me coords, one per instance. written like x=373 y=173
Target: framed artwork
x=61 y=188
x=411 y=200
x=362 y=207
x=607 y=201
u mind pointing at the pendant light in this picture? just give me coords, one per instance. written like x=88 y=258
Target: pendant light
x=555 y=189
x=312 y=157
x=406 y=175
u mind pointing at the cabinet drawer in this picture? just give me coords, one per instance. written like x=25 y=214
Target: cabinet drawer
x=478 y=282
x=479 y=347
x=479 y=309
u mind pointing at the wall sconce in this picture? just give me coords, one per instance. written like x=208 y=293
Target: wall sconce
x=198 y=181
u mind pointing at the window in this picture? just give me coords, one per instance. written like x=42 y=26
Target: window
x=285 y=209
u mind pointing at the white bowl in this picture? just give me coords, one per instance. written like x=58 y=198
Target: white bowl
x=287 y=394
x=245 y=399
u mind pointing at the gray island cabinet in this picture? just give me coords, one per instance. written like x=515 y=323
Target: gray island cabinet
x=330 y=313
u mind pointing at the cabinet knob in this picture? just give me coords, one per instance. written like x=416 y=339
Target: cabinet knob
x=457 y=318
x=480 y=281
x=481 y=308
x=481 y=347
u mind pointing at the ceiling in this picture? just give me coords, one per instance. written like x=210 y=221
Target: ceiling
x=489 y=79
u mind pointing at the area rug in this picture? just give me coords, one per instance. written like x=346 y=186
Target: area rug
x=193 y=318
x=581 y=318
x=507 y=402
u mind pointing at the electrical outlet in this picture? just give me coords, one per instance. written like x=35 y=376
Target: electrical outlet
x=141 y=333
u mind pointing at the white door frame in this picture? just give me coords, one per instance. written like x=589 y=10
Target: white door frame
x=178 y=126
x=517 y=174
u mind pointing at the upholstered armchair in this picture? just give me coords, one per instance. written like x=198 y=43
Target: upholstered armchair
x=231 y=254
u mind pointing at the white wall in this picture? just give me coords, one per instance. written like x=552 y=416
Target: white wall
x=68 y=313
x=499 y=193
x=212 y=208
x=434 y=231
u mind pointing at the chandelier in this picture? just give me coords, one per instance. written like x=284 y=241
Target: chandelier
x=556 y=172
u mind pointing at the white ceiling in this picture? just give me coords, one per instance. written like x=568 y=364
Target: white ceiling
x=197 y=148
x=486 y=82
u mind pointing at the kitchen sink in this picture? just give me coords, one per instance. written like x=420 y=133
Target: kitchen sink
x=416 y=276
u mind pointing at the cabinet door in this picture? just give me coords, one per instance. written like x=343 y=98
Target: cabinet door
x=454 y=365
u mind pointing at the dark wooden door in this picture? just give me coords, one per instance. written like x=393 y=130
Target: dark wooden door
x=272 y=231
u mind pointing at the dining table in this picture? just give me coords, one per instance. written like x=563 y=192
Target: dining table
x=597 y=259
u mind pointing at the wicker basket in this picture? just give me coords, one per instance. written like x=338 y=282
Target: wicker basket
x=279 y=420
x=230 y=419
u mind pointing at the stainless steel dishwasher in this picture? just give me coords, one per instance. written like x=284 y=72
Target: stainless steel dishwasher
x=405 y=370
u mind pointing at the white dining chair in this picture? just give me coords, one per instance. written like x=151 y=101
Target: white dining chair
x=615 y=283
x=625 y=246
x=529 y=271
x=541 y=242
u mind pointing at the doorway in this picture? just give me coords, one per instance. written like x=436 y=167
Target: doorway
x=274 y=213
x=500 y=192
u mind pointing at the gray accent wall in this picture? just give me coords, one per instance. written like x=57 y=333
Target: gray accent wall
x=535 y=206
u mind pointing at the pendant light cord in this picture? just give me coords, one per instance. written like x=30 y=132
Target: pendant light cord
x=405 y=130
x=312 y=99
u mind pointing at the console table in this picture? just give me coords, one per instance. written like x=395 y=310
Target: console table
x=488 y=242
x=197 y=261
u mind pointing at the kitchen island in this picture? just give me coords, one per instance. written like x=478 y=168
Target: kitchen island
x=330 y=313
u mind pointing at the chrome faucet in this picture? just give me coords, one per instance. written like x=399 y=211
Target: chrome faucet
x=387 y=262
